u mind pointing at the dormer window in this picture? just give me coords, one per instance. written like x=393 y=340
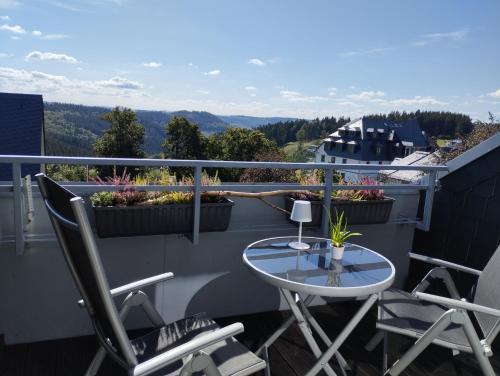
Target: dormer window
x=338 y=145
x=351 y=146
x=378 y=149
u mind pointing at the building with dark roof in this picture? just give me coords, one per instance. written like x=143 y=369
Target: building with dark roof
x=372 y=141
x=22 y=127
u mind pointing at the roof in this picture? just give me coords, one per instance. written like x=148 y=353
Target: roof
x=420 y=158
x=21 y=124
x=378 y=139
x=473 y=153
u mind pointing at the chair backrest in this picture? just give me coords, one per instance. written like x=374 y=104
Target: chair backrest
x=488 y=292
x=73 y=231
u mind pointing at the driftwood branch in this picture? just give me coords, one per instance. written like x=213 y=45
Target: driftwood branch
x=258 y=195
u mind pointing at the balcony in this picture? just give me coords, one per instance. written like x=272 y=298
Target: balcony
x=43 y=330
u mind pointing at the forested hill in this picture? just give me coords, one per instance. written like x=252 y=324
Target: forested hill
x=295 y=130
x=251 y=121
x=72 y=129
x=434 y=123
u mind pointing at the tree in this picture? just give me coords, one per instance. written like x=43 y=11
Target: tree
x=266 y=175
x=237 y=144
x=122 y=140
x=184 y=140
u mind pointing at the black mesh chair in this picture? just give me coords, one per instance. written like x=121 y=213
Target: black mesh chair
x=443 y=321
x=194 y=345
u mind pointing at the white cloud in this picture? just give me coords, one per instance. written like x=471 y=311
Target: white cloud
x=257 y=62
x=16 y=29
x=452 y=35
x=495 y=94
x=332 y=91
x=39 y=34
x=118 y=82
x=295 y=96
x=250 y=88
x=274 y=60
x=366 y=96
x=5 y=18
x=365 y=52
x=415 y=101
x=152 y=65
x=8 y=3
x=54 y=36
x=18 y=80
x=50 y=56
x=214 y=72
x=203 y=92
x=420 y=43
x=5 y=55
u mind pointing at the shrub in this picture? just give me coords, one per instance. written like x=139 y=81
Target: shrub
x=102 y=199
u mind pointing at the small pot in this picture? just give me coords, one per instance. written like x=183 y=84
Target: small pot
x=337 y=252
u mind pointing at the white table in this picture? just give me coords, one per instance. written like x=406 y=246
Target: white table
x=302 y=275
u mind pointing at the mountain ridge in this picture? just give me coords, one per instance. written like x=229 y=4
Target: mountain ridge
x=72 y=129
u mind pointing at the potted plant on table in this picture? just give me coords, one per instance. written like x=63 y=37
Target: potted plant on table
x=339 y=234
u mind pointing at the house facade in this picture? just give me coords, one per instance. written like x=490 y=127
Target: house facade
x=371 y=141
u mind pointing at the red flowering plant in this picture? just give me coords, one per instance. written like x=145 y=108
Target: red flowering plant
x=313 y=178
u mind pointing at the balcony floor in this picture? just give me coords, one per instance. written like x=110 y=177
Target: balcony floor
x=289 y=355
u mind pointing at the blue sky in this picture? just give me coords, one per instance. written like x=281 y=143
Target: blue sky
x=267 y=58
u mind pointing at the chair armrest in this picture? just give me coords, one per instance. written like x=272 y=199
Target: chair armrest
x=188 y=348
x=446 y=264
x=441 y=273
x=461 y=304
x=136 y=285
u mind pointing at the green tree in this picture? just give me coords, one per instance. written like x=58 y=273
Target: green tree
x=122 y=140
x=237 y=144
x=184 y=140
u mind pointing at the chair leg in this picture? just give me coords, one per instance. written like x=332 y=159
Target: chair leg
x=421 y=344
x=476 y=345
x=385 y=355
x=96 y=362
x=375 y=341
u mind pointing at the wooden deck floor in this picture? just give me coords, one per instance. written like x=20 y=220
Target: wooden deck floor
x=289 y=356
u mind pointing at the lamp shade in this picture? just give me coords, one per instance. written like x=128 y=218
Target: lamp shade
x=301 y=211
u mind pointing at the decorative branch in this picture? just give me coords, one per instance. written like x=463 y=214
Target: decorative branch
x=258 y=195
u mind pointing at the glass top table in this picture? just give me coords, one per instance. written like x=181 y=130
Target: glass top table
x=360 y=272
x=302 y=274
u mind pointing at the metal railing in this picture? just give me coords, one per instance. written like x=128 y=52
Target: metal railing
x=16 y=187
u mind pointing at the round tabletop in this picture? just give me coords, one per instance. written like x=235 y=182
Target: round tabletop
x=360 y=272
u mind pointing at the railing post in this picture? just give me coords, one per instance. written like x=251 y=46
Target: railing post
x=327 y=202
x=196 y=204
x=425 y=225
x=18 y=208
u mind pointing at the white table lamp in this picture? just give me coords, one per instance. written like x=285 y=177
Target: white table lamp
x=301 y=212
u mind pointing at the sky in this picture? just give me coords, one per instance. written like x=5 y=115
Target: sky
x=307 y=59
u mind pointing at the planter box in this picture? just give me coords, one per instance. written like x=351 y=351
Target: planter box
x=115 y=221
x=355 y=212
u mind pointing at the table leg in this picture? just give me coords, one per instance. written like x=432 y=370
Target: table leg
x=328 y=342
x=351 y=325
x=306 y=332
x=281 y=329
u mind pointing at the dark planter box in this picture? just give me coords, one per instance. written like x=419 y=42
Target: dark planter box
x=115 y=221
x=355 y=212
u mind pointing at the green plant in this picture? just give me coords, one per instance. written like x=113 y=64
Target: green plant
x=102 y=199
x=175 y=197
x=338 y=230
